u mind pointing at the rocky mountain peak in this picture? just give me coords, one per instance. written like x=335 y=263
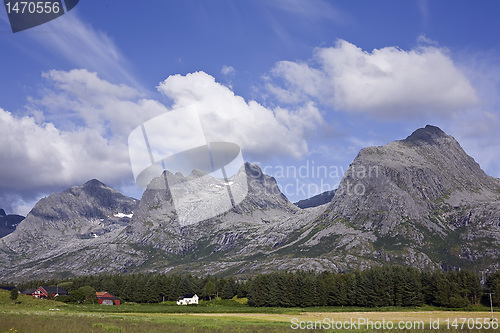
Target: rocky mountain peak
x=430 y=135
x=429 y=159
x=94 y=192
x=262 y=190
x=414 y=189
x=80 y=211
x=94 y=188
x=2 y=212
x=196 y=173
x=94 y=183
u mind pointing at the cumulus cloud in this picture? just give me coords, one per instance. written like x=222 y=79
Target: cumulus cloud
x=388 y=81
x=260 y=131
x=36 y=155
x=37 y=158
x=103 y=106
x=77 y=131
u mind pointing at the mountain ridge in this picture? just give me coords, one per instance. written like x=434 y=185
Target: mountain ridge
x=420 y=201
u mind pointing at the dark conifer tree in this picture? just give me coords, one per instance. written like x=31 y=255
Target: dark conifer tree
x=493 y=285
x=229 y=289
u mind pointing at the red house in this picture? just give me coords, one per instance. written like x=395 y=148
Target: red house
x=49 y=292
x=106 y=298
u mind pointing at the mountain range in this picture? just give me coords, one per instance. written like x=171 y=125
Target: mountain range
x=421 y=201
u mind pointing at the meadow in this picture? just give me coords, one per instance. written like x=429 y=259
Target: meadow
x=33 y=315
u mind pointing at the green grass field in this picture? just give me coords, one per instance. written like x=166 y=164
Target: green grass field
x=33 y=315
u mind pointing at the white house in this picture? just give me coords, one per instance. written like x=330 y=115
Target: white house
x=188 y=299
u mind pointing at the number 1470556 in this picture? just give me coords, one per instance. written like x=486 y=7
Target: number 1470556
x=33 y=7
x=471 y=323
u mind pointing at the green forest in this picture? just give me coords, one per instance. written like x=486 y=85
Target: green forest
x=375 y=287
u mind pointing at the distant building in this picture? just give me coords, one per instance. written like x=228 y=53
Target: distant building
x=106 y=298
x=27 y=291
x=48 y=292
x=188 y=299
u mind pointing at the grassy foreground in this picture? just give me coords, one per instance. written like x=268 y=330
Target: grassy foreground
x=33 y=315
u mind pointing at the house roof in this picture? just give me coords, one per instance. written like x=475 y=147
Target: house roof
x=54 y=290
x=187 y=296
x=28 y=291
x=108 y=297
x=105 y=295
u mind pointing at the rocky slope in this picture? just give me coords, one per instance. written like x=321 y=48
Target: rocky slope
x=79 y=218
x=262 y=221
x=420 y=201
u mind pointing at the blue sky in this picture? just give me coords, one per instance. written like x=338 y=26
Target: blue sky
x=299 y=85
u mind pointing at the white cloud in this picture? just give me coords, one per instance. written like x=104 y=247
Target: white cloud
x=16 y=204
x=34 y=156
x=78 y=132
x=103 y=106
x=20 y=207
x=225 y=116
x=423 y=39
x=389 y=81
x=228 y=70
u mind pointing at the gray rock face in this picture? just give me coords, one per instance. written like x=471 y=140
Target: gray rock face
x=423 y=194
x=156 y=223
x=421 y=201
x=63 y=223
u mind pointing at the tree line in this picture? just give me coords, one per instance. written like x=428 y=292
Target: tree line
x=375 y=287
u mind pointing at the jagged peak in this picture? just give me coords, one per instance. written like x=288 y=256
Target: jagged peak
x=428 y=134
x=196 y=173
x=253 y=171
x=93 y=183
x=93 y=187
x=2 y=212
